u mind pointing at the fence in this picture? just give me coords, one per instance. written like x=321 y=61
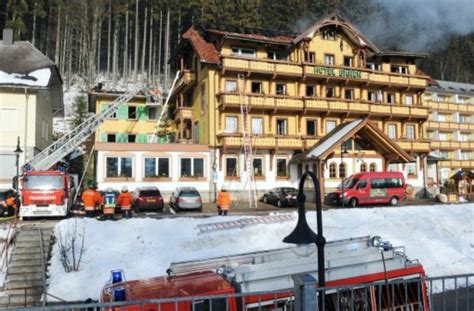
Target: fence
x=438 y=293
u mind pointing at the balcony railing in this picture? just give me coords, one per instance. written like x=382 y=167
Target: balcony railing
x=435 y=125
x=183 y=113
x=457 y=164
x=275 y=102
x=438 y=144
x=285 y=68
x=450 y=107
x=186 y=79
x=414 y=145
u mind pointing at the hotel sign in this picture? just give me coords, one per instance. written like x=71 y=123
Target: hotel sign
x=336 y=72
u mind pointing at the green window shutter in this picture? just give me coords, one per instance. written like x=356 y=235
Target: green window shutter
x=103 y=137
x=122 y=138
x=141 y=138
x=122 y=112
x=103 y=107
x=142 y=113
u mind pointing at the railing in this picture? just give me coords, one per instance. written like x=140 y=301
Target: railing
x=441 y=144
x=264 y=141
x=11 y=234
x=320 y=71
x=414 y=145
x=437 y=293
x=450 y=126
x=457 y=163
x=450 y=107
x=183 y=113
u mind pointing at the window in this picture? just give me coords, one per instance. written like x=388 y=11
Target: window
x=277 y=55
x=463 y=137
x=332 y=170
x=443 y=117
x=342 y=170
x=375 y=96
x=444 y=154
x=131 y=138
x=311 y=127
x=118 y=167
x=152 y=113
x=257 y=88
x=281 y=89
x=231 y=86
x=410 y=132
x=329 y=34
x=330 y=92
x=393 y=183
x=373 y=66
x=363 y=167
x=192 y=167
x=257 y=126
x=393 y=167
x=390 y=98
x=392 y=131
x=373 y=167
x=348 y=61
x=464 y=119
x=330 y=125
x=399 y=69
x=8 y=119
x=231 y=125
x=410 y=168
x=132 y=112
x=310 y=90
x=465 y=155
x=196 y=132
x=309 y=57
x=328 y=59
x=258 y=167
x=282 y=127
x=378 y=183
x=246 y=52
x=156 y=167
x=111 y=138
x=409 y=100
x=231 y=167
x=443 y=136
x=282 y=170
x=349 y=94
x=203 y=96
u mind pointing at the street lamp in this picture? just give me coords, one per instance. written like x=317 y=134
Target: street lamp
x=303 y=236
x=343 y=152
x=17 y=151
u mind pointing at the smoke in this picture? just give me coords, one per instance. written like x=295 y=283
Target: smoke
x=418 y=25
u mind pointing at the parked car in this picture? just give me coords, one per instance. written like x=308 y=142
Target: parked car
x=186 y=198
x=281 y=197
x=148 y=198
x=4 y=194
x=371 y=188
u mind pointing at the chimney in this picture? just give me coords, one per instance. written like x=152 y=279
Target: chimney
x=7 y=36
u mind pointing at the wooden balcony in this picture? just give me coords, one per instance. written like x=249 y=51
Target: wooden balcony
x=414 y=145
x=186 y=79
x=264 y=142
x=305 y=104
x=450 y=107
x=183 y=113
x=456 y=164
x=435 y=125
x=465 y=145
x=338 y=73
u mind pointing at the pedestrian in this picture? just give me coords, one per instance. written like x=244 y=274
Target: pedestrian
x=125 y=200
x=223 y=202
x=91 y=199
x=110 y=200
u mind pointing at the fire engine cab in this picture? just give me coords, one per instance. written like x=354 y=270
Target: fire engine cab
x=349 y=262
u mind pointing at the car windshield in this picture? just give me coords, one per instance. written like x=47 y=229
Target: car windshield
x=291 y=191
x=149 y=193
x=43 y=182
x=189 y=193
x=349 y=183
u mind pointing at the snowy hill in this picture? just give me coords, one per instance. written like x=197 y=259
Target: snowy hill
x=440 y=236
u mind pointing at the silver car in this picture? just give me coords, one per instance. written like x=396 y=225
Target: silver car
x=186 y=198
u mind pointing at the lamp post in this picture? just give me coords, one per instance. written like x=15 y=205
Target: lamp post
x=343 y=152
x=303 y=236
x=17 y=151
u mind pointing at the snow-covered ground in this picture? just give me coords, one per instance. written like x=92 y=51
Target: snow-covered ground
x=440 y=236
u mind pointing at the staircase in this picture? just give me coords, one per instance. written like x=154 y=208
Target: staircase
x=26 y=272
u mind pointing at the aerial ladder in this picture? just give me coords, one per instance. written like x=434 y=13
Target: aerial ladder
x=247 y=145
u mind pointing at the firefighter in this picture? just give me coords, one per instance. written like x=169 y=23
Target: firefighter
x=110 y=200
x=223 y=202
x=91 y=199
x=9 y=205
x=125 y=200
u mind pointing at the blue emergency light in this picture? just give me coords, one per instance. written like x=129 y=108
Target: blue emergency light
x=119 y=293
x=117 y=276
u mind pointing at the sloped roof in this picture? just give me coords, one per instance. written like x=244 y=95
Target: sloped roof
x=206 y=51
x=258 y=35
x=333 y=140
x=22 y=57
x=452 y=87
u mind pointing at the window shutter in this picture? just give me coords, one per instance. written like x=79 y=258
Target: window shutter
x=122 y=112
x=122 y=138
x=141 y=138
x=142 y=113
x=103 y=137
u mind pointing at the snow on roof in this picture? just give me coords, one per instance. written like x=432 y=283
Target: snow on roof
x=334 y=138
x=38 y=78
x=22 y=57
x=452 y=87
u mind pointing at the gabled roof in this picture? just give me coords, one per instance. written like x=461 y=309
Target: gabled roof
x=345 y=131
x=452 y=87
x=206 y=51
x=252 y=34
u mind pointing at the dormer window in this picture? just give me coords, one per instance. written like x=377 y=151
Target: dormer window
x=373 y=66
x=329 y=34
x=399 y=69
x=309 y=57
x=348 y=61
x=245 y=52
x=328 y=59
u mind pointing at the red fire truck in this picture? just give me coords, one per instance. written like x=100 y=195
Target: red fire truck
x=356 y=262
x=46 y=193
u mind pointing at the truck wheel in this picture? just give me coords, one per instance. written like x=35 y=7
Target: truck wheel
x=353 y=202
x=394 y=201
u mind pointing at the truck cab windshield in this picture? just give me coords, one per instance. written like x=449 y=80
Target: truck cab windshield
x=43 y=182
x=350 y=183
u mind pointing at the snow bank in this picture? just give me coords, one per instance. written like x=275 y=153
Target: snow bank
x=38 y=77
x=440 y=236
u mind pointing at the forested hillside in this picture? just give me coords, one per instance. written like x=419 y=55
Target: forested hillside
x=124 y=40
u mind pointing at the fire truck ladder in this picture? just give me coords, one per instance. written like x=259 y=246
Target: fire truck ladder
x=247 y=145
x=164 y=108
x=66 y=144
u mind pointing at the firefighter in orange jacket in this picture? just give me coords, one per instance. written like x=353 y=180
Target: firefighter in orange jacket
x=91 y=200
x=125 y=200
x=223 y=202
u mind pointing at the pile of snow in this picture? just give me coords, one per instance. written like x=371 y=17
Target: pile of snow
x=38 y=77
x=440 y=236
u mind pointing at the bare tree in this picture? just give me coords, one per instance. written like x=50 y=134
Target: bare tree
x=71 y=246
x=150 y=47
x=136 y=47
x=159 y=46
x=125 y=51
x=109 y=30
x=144 y=44
x=115 y=55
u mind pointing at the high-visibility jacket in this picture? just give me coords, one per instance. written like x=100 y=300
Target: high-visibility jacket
x=91 y=198
x=11 y=202
x=109 y=203
x=125 y=200
x=223 y=200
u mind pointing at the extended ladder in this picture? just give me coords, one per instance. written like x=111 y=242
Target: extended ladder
x=67 y=143
x=247 y=145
